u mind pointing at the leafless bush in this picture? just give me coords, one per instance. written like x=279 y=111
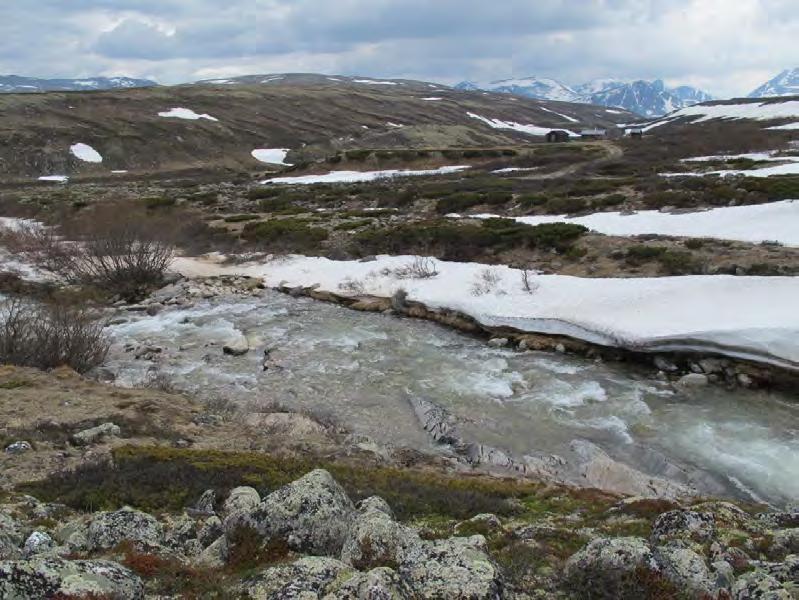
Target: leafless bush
x=48 y=336
x=486 y=282
x=40 y=244
x=399 y=300
x=420 y=268
x=528 y=284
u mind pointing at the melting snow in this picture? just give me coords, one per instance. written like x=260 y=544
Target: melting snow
x=373 y=82
x=185 y=113
x=85 y=153
x=360 y=176
x=789 y=126
x=750 y=317
x=792 y=168
x=764 y=111
x=55 y=178
x=566 y=117
x=432 y=99
x=528 y=129
x=274 y=156
x=775 y=221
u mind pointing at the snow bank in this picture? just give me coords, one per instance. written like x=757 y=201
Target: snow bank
x=775 y=221
x=747 y=317
x=562 y=116
x=85 y=153
x=185 y=113
x=792 y=168
x=789 y=126
x=55 y=178
x=374 y=82
x=759 y=111
x=432 y=99
x=360 y=176
x=521 y=128
x=274 y=156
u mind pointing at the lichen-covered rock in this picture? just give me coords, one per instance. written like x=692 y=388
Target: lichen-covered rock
x=96 y=434
x=180 y=531
x=725 y=514
x=205 y=505
x=38 y=542
x=11 y=528
x=241 y=499
x=786 y=541
x=375 y=539
x=484 y=521
x=312 y=514
x=309 y=577
x=210 y=531
x=786 y=571
x=374 y=504
x=8 y=548
x=780 y=519
x=607 y=568
x=684 y=524
x=758 y=585
x=107 y=529
x=684 y=568
x=50 y=577
x=73 y=534
x=457 y=569
x=378 y=584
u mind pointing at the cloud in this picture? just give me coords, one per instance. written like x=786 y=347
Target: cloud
x=728 y=47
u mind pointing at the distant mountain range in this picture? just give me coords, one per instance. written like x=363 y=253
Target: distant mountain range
x=784 y=84
x=648 y=98
x=16 y=84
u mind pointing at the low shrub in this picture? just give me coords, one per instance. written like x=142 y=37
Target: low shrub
x=565 y=205
x=47 y=336
x=287 y=234
x=158 y=202
x=240 y=218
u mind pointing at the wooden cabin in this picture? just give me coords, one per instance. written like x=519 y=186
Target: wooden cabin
x=593 y=134
x=558 y=136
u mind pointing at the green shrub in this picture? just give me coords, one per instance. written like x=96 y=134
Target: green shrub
x=643 y=253
x=567 y=205
x=611 y=200
x=679 y=262
x=288 y=234
x=357 y=155
x=263 y=192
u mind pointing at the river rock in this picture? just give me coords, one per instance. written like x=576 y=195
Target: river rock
x=236 y=346
x=96 y=434
x=376 y=540
x=607 y=568
x=50 y=577
x=107 y=529
x=693 y=380
x=664 y=364
x=435 y=420
x=684 y=524
x=456 y=569
x=498 y=342
x=309 y=577
x=758 y=585
x=313 y=514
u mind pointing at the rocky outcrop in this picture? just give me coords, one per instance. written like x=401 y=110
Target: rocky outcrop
x=55 y=577
x=312 y=514
x=310 y=577
x=96 y=434
x=684 y=524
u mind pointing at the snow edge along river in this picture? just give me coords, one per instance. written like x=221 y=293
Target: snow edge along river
x=750 y=318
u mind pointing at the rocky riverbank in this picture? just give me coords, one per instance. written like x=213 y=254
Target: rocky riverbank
x=311 y=539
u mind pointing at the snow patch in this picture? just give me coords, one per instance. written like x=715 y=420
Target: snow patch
x=273 y=156
x=374 y=82
x=55 y=178
x=521 y=128
x=360 y=176
x=85 y=153
x=562 y=116
x=789 y=126
x=185 y=113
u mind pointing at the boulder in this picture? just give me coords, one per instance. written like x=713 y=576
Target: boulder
x=758 y=585
x=693 y=380
x=684 y=524
x=20 y=447
x=378 y=584
x=456 y=569
x=205 y=505
x=96 y=434
x=375 y=539
x=685 y=569
x=607 y=568
x=38 y=542
x=312 y=514
x=8 y=548
x=49 y=577
x=309 y=577
x=241 y=499
x=107 y=529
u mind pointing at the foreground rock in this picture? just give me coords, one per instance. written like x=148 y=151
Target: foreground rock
x=58 y=578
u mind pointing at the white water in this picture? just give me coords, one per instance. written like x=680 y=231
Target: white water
x=361 y=368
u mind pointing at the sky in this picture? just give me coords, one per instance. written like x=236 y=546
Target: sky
x=726 y=47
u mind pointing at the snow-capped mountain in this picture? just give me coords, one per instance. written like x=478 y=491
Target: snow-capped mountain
x=533 y=87
x=648 y=98
x=784 y=84
x=16 y=84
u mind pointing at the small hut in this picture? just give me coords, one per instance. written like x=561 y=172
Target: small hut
x=636 y=132
x=557 y=135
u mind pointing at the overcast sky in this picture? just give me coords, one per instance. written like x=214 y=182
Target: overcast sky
x=727 y=47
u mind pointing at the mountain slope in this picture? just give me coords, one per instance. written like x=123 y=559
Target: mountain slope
x=648 y=98
x=218 y=125
x=784 y=84
x=16 y=84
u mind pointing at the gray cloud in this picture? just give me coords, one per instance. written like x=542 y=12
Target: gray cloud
x=725 y=46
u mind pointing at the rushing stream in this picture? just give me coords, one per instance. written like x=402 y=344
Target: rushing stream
x=361 y=369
